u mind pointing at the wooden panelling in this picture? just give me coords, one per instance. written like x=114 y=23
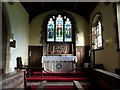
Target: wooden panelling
x=35 y=55
x=82 y=53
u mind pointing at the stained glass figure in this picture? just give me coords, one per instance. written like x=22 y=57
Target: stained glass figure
x=50 y=30
x=68 y=30
x=59 y=29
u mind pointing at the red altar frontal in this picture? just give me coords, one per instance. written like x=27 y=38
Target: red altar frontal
x=60 y=64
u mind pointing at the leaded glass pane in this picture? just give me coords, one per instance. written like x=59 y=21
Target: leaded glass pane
x=68 y=30
x=59 y=29
x=50 y=30
x=99 y=41
x=99 y=27
x=96 y=36
x=99 y=35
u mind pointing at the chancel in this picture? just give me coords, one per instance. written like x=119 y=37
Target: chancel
x=60 y=45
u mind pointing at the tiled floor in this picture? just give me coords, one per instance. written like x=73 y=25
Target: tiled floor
x=57 y=83
x=32 y=83
x=51 y=83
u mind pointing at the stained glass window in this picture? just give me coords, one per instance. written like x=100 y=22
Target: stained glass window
x=59 y=29
x=68 y=30
x=50 y=30
x=97 y=34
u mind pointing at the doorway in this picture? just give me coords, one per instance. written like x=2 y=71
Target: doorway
x=35 y=54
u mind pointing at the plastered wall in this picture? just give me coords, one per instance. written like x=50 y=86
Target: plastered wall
x=36 y=28
x=109 y=55
x=19 y=27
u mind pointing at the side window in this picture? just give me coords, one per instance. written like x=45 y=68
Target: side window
x=96 y=33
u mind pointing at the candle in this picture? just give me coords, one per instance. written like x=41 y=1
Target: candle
x=53 y=48
x=47 y=48
x=89 y=52
x=72 y=47
x=66 y=48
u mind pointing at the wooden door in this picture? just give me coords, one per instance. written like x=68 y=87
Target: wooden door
x=82 y=53
x=35 y=55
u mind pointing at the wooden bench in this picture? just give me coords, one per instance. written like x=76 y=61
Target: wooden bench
x=13 y=80
x=78 y=85
x=105 y=80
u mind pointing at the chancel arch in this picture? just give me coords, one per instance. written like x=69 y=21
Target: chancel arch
x=59 y=40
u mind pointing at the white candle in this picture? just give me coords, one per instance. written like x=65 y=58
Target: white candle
x=53 y=48
x=66 y=48
x=72 y=47
x=47 y=47
x=89 y=52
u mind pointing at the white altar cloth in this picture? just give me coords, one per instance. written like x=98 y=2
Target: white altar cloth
x=59 y=63
x=59 y=58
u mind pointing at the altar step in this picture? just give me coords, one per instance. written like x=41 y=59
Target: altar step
x=86 y=87
x=62 y=87
x=78 y=72
x=81 y=75
x=58 y=74
x=64 y=79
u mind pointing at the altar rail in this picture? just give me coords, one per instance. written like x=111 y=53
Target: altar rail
x=14 y=80
x=104 y=80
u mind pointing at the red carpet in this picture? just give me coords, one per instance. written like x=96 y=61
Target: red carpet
x=60 y=88
x=37 y=78
x=34 y=87
x=58 y=77
x=50 y=73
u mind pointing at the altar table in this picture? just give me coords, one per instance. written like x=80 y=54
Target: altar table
x=59 y=63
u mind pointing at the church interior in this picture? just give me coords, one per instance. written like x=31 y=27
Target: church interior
x=60 y=45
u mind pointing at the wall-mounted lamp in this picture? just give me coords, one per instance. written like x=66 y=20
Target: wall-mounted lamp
x=12 y=41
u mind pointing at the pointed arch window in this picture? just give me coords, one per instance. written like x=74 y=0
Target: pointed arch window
x=97 y=37
x=50 y=30
x=59 y=29
x=68 y=30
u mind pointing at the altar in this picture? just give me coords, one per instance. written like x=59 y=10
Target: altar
x=60 y=64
